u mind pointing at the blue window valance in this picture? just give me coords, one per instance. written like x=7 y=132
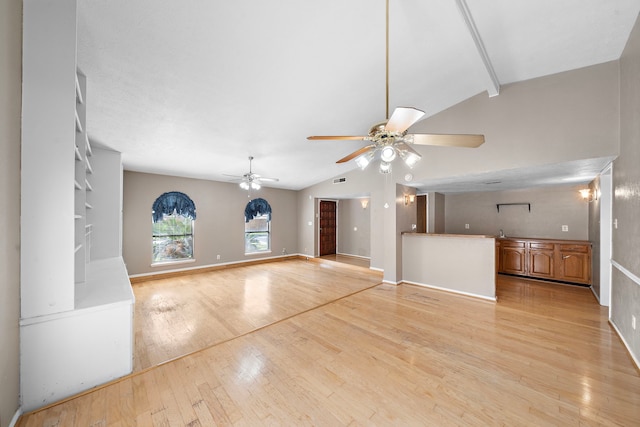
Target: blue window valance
x=173 y=202
x=255 y=208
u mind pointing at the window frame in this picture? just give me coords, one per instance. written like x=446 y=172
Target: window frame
x=190 y=236
x=266 y=217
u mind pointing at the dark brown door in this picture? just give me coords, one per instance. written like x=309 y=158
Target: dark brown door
x=327 y=227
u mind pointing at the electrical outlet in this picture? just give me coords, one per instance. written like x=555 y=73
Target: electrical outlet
x=615 y=223
x=414 y=227
x=466 y=226
x=565 y=228
x=633 y=322
x=218 y=257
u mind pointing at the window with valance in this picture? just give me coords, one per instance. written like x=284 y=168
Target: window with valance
x=257 y=226
x=173 y=216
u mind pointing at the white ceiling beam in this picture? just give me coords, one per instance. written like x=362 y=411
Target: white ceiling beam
x=493 y=87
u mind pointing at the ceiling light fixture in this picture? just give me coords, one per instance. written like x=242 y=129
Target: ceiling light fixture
x=364 y=160
x=385 y=167
x=586 y=194
x=388 y=154
x=410 y=158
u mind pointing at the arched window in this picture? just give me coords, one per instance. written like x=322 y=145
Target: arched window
x=173 y=215
x=257 y=226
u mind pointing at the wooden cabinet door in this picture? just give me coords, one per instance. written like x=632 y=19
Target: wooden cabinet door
x=541 y=258
x=575 y=264
x=513 y=259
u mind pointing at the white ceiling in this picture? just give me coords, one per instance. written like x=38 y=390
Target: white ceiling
x=192 y=88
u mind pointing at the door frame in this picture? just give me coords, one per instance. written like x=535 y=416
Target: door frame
x=606 y=222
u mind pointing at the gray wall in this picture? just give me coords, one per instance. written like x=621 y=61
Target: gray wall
x=562 y=117
x=625 y=286
x=551 y=207
x=436 y=220
x=354 y=227
x=10 y=113
x=219 y=227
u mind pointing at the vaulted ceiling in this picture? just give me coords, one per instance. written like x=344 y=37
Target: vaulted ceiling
x=193 y=88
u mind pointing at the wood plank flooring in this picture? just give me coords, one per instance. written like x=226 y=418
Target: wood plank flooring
x=544 y=354
x=180 y=315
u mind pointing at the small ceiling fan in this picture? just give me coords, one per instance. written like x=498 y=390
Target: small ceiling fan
x=390 y=138
x=250 y=180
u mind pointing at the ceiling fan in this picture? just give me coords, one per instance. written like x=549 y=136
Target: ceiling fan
x=250 y=180
x=390 y=138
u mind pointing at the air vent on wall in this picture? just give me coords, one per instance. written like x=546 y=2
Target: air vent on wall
x=339 y=180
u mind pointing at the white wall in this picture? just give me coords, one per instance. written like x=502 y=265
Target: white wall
x=219 y=226
x=48 y=159
x=551 y=207
x=106 y=199
x=10 y=105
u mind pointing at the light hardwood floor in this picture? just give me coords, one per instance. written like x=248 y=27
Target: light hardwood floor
x=180 y=315
x=387 y=355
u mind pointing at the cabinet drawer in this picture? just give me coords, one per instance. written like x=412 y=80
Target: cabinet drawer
x=538 y=245
x=574 y=248
x=511 y=244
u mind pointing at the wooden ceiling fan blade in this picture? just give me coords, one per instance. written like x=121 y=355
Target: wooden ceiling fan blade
x=355 y=138
x=448 y=140
x=355 y=154
x=402 y=118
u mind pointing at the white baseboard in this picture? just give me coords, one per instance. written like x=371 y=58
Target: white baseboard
x=221 y=264
x=16 y=417
x=633 y=357
x=453 y=291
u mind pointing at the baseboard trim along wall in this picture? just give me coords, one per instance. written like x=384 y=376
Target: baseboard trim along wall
x=452 y=291
x=137 y=278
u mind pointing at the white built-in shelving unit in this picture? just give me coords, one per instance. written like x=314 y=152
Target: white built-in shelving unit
x=76 y=321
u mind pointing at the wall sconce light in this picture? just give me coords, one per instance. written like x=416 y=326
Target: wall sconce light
x=364 y=203
x=586 y=194
x=409 y=198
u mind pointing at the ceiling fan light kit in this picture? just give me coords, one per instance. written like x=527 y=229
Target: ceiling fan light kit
x=388 y=154
x=363 y=160
x=385 y=167
x=250 y=180
x=390 y=137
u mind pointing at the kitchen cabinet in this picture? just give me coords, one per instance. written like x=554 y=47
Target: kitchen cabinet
x=513 y=257
x=541 y=260
x=560 y=260
x=575 y=263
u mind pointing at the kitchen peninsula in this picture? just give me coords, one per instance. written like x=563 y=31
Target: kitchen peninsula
x=464 y=264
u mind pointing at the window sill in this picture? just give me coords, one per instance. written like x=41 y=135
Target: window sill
x=165 y=263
